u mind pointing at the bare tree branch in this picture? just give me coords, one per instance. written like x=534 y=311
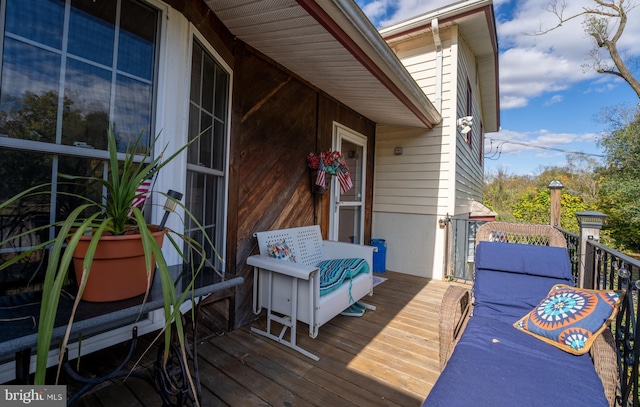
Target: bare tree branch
x=597 y=20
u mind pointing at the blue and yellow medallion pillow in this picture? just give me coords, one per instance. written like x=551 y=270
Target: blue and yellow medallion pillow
x=280 y=250
x=571 y=318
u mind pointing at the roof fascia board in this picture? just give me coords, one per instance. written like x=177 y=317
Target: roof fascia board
x=443 y=14
x=410 y=95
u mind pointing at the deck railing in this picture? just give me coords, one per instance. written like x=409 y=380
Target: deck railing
x=612 y=270
x=573 y=247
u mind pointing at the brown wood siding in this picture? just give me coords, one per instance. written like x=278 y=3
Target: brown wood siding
x=276 y=121
x=208 y=24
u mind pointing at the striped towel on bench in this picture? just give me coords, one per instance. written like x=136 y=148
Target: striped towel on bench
x=333 y=272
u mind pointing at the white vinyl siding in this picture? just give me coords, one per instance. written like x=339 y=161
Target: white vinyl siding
x=409 y=183
x=438 y=173
x=420 y=180
x=469 y=172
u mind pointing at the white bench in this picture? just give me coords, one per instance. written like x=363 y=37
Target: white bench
x=290 y=291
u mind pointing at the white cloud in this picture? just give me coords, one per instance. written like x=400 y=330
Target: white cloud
x=530 y=65
x=553 y=100
x=543 y=143
x=555 y=60
x=376 y=10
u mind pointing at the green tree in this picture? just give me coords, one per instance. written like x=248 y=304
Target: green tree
x=502 y=190
x=619 y=195
x=534 y=206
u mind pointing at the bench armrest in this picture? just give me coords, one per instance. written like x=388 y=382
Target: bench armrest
x=454 y=313
x=296 y=270
x=604 y=356
x=342 y=250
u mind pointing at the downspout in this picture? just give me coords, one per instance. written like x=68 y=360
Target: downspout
x=435 y=30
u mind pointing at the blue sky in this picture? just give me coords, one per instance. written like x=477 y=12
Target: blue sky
x=547 y=98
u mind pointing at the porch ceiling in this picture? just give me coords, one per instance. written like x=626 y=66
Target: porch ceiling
x=332 y=45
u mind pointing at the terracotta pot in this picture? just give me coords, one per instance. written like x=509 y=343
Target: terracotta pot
x=118 y=268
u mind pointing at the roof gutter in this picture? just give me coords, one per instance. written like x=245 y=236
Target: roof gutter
x=386 y=67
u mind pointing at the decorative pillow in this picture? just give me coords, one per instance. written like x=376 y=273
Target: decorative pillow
x=571 y=318
x=280 y=250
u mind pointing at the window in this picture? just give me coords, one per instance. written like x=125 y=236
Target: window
x=481 y=147
x=469 y=111
x=206 y=162
x=67 y=73
x=68 y=69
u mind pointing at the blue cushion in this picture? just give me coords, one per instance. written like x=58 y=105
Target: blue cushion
x=511 y=279
x=497 y=365
x=571 y=318
x=535 y=260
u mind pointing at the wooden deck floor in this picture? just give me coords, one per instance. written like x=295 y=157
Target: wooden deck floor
x=388 y=357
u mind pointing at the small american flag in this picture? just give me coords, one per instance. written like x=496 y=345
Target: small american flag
x=142 y=192
x=320 y=179
x=345 y=180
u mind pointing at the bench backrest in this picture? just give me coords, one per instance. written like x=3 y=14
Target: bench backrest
x=304 y=242
x=511 y=279
x=523 y=233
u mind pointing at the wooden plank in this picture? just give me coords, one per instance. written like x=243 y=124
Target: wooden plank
x=121 y=398
x=388 y=357
x=226 y=391
x=262 y=386
x=296 y=380
x=331 y=372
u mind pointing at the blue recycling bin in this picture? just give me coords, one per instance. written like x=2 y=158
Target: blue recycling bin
x=379 y=257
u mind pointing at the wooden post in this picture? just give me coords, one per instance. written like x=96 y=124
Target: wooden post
x=556 y=196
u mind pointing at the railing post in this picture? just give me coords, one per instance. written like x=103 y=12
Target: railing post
x=590 y=224
x=589 y=271
x=556 y=197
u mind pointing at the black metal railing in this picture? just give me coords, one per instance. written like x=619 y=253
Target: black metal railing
x=612 y=270
x=573 y=247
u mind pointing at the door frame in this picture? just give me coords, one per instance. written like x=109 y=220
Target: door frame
x=342 y=132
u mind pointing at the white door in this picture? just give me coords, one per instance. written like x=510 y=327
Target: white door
x=347 y=222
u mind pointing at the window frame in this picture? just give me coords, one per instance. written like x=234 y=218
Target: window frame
x=469 y=106
x=222 y=211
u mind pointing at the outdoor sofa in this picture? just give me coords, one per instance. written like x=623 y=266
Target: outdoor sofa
x=298 y=276
x=495 y=363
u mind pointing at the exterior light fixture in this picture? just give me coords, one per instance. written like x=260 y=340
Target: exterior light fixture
x=170 y=205
x=397 y=151
x=591 y=219
x=464 y=124
x=555 y=184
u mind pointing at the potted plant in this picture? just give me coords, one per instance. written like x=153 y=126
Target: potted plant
x=94 y=221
